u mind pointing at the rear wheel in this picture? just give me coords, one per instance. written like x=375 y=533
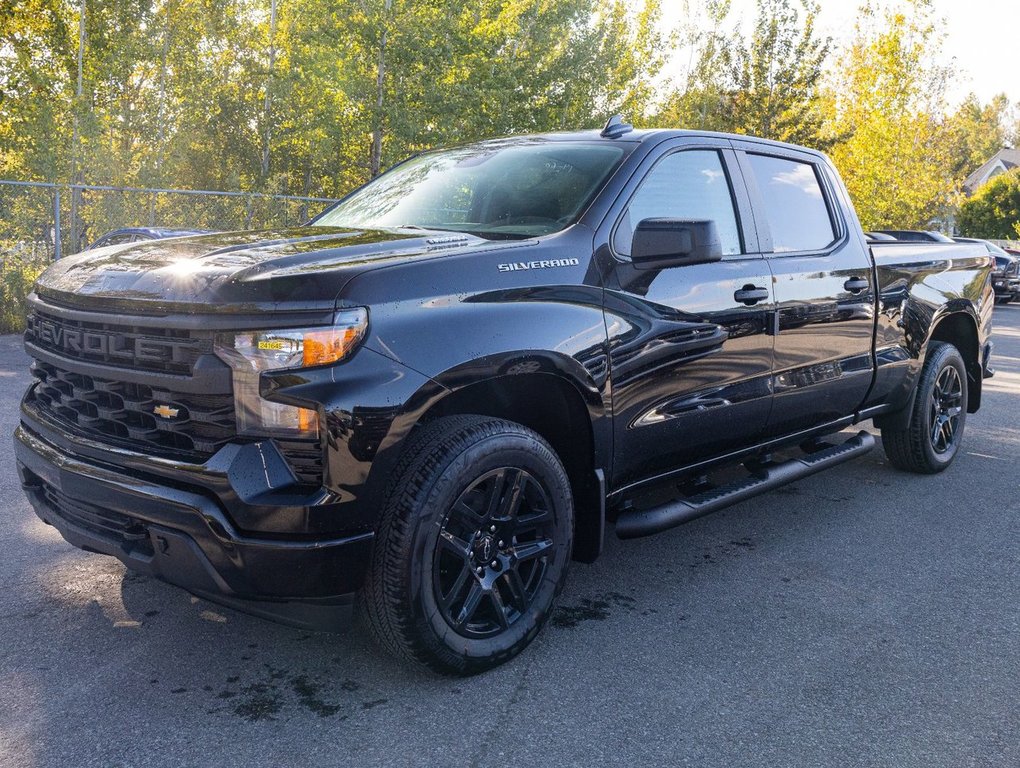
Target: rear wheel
x=932 y=437
x=473 y=545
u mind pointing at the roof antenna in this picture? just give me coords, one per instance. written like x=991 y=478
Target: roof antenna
x=615 y=128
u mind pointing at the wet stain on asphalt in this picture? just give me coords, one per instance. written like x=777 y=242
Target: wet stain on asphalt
x=308 y=696
x=569 y=616
x=277 y=692
x=591 y=609
x=729 y=549
x=260 y=702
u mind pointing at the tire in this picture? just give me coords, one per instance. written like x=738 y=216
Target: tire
x=472 y=547
x=932 y=437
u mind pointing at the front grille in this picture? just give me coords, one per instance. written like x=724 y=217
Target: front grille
x=126 y=413
x=147 y=418
x=127 y=346
x=112 y=526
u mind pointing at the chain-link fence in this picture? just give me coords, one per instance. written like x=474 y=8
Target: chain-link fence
x=41 y=222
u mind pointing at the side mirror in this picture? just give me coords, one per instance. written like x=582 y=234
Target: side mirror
x=663 y=243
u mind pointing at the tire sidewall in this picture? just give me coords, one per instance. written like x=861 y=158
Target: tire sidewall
x=491 y=452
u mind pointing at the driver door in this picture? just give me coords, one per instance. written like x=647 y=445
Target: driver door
x=690 y=350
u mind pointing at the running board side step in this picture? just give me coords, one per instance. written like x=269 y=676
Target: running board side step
x=633 y=524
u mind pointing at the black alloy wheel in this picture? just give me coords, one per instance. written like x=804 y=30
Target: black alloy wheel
x=492 y=553
x=946 y=407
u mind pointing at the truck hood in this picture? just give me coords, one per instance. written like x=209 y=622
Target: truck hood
x=299 y=269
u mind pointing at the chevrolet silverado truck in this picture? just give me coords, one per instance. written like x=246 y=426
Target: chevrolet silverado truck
x=430 y=399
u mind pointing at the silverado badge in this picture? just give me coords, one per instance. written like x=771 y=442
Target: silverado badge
x=166 y=411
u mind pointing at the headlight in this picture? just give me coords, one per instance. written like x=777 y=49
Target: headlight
x=251 y=353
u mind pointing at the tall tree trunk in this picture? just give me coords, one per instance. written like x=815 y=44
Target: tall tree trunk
x=76 y=176
x=375 y=161
x=160 y=119
x=267 y=107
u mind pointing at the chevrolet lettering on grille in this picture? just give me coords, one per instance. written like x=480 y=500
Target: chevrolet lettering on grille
x=125 y=348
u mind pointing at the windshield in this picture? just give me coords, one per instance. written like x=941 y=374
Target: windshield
x=492 y=190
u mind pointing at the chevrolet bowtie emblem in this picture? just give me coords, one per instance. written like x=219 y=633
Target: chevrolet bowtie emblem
x=166 y=411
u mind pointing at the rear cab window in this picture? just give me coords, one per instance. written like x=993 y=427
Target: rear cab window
x=795 y=205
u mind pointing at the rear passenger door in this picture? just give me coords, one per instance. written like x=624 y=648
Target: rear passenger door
x=824 y=289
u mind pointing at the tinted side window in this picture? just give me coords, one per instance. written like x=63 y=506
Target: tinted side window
x=794 y=204
x=684 y=185
x=113 y=240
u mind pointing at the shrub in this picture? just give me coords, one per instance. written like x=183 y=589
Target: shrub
x=20 y=265
x=994 y=210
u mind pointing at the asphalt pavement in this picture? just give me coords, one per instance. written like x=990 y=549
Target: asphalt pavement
x=861 y=617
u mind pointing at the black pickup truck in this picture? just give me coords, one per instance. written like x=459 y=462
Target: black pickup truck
x=443 y=389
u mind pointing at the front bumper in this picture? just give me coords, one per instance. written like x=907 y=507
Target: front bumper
x=1008 y=286
x=181 y=535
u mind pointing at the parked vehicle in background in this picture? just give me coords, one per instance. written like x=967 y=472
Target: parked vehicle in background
x=915 y=235
x=141 y=234
x=1006 y=275
x=444 y=387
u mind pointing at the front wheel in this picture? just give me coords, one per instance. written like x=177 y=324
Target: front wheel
x=932 y=437
x=472 y=547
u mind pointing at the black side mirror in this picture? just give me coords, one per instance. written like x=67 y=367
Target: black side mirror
x=663 y=243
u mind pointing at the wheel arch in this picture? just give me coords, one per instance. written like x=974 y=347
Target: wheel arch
x=955 y=325
x=546 y=394
x=554 y=408
x=960 y=329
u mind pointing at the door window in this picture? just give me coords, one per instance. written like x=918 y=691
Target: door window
x=794 y=204
x=684 y=185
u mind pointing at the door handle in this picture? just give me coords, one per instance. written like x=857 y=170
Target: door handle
x=856 y=285
x=751 y=295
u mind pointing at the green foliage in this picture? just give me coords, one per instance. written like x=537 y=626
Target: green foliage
x=19 y=269
x=888 y=103
x=767 y=85
x=186 y=93
x=978 y=132
x=994 y=210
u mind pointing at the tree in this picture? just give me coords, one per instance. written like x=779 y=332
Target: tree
x=777 y=76
x=697 y=99
x=994 y=210
x=887 y=101
x=979 y=131
x=769 y=85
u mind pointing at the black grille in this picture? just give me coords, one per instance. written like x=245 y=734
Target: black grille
x=142 y=348
x=112 y=526
x=146 y=418
x=129 y=413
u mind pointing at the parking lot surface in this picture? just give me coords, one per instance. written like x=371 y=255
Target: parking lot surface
x=861 y=617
